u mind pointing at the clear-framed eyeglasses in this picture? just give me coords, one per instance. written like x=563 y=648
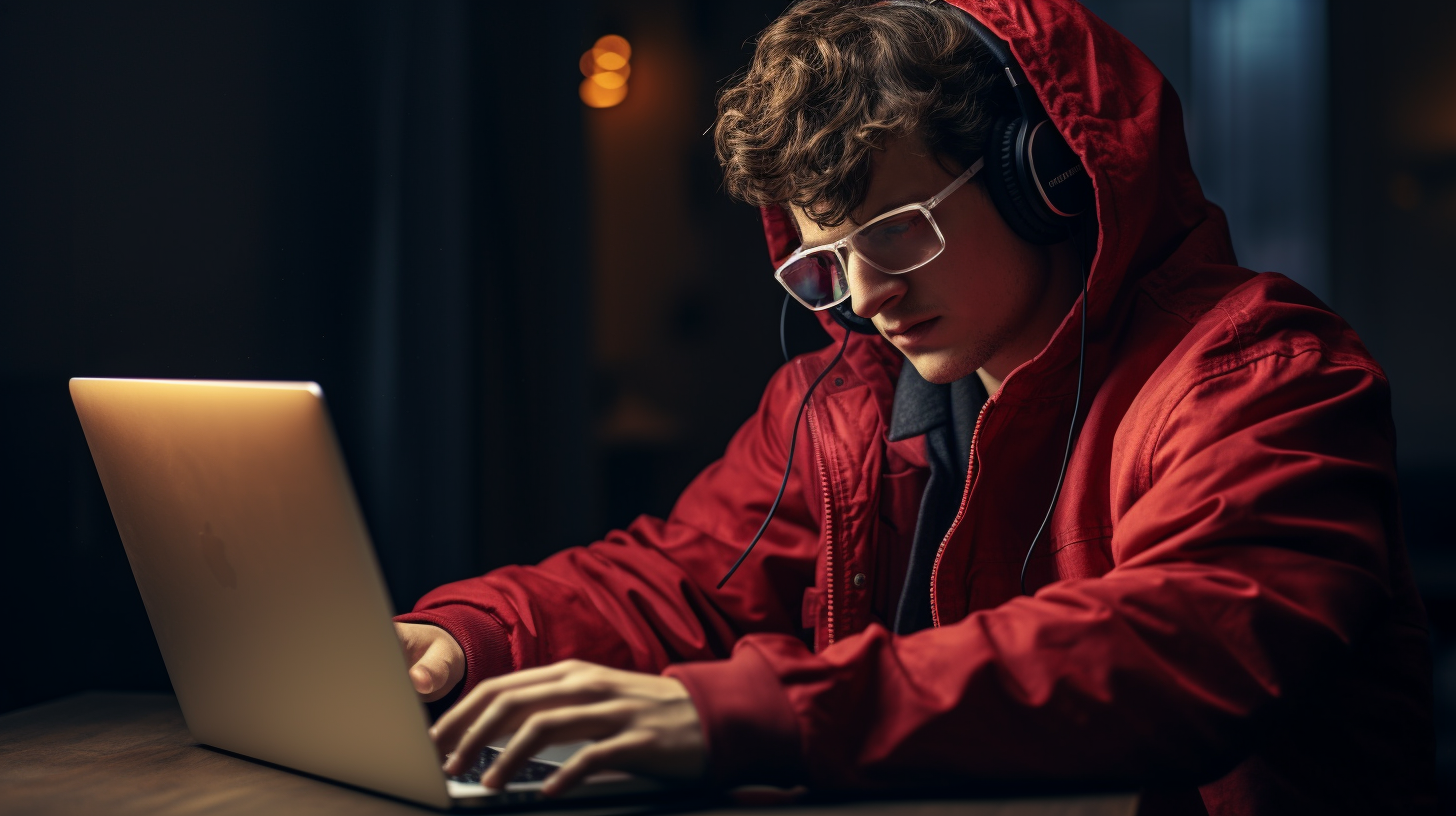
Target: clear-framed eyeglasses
x=895 y=242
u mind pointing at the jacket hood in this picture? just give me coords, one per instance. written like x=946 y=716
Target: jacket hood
x=1122 y=118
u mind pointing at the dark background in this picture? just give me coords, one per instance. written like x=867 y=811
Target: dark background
x=534 y=320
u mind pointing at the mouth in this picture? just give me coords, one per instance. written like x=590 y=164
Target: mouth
x=909 y=333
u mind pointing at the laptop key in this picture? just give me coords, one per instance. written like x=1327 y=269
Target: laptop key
x=532 y=771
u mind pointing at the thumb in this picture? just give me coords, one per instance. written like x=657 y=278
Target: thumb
x=425 y=679
x=434 y=673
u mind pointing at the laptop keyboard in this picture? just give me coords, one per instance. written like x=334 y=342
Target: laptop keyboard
x=533 y=771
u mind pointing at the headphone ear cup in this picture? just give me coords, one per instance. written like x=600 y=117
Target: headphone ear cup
x=1008 y=190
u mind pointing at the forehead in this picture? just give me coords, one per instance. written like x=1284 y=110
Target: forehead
x=904 y=172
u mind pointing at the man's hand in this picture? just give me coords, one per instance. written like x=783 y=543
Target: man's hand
x=642 y=723
x=436 y=661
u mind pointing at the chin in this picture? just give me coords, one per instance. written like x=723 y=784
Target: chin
x=941 y=367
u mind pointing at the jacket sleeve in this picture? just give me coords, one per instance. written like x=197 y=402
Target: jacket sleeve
x=1255 y=557
x=643 y=597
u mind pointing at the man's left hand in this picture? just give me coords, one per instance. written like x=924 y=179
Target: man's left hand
x=642 y=723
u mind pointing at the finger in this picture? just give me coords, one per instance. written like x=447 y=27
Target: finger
x=588 y=722
x=424 y=682
x=508 y=711
x=450 y=728
x=434 y=673
x=464 y=712
x=410 y=640
x=414 y=648
x=617 y=753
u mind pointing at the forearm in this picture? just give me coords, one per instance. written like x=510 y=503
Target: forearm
x=625 y=602
x=646 y=596
x=1152 y=673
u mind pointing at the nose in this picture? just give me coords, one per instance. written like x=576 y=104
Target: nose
x=871 y=290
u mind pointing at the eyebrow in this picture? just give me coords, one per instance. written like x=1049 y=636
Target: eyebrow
x=894 y=204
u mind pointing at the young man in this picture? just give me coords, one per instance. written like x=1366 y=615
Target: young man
x=1219 y=607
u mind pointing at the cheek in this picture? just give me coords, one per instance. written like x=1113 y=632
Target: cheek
x=983 y=282
x=992 y=274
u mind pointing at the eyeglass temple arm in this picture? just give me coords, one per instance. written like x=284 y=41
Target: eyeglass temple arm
x=956 y=185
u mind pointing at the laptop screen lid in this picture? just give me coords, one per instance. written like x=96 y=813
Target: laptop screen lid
x=258 y=576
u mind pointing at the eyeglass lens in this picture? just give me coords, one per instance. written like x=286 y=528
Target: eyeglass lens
x=818 y=279
x=898 y=243
x=895 y=244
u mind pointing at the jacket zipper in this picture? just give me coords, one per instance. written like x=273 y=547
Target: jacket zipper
x=828 y=524
x=960 y=513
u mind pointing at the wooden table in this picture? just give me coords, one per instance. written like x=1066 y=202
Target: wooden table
x=131 y=754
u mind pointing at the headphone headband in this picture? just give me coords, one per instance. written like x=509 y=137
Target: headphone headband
x=1041 y=182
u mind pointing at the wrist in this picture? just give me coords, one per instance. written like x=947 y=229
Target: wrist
x=750 y=729
x=484 y=644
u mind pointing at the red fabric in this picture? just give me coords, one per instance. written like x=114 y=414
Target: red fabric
x=1223 y=600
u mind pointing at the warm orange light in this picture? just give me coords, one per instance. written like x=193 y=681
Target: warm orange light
x=613 y=44
x=609 y=79
x=606 y=69
x=609 y=60
x=595 y=95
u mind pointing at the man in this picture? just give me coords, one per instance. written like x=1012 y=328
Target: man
x=1217 y=607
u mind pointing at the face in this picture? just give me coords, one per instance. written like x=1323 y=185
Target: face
x=989 y=302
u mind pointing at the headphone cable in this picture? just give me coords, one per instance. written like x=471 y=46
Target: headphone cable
x=1071 y=431
x=793 y=443
x=783 y=321
x=794 y=438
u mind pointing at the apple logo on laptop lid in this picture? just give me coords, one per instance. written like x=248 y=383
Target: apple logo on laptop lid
x=214 y=552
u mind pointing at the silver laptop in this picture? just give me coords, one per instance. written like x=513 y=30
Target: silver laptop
x=261 y=584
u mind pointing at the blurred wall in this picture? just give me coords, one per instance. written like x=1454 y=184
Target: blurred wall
x=1393 y=252
x=685 y=306
x=1253 y=79
x=1394 y=209
x=275 y=190
x=178 y=191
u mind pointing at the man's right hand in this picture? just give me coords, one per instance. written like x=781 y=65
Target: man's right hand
x=436 y=661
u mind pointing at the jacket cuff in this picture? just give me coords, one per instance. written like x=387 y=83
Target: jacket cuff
x=486 y=643
x=751 y=730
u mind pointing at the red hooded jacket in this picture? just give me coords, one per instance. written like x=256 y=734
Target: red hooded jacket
x=1223 y=600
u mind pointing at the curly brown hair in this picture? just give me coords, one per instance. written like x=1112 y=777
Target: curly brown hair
x=832 y=80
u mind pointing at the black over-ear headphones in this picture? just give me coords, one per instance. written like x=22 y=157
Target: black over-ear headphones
x=1036 y=182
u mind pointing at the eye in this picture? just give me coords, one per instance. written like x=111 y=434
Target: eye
x=899 y=242
x=895 y=229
